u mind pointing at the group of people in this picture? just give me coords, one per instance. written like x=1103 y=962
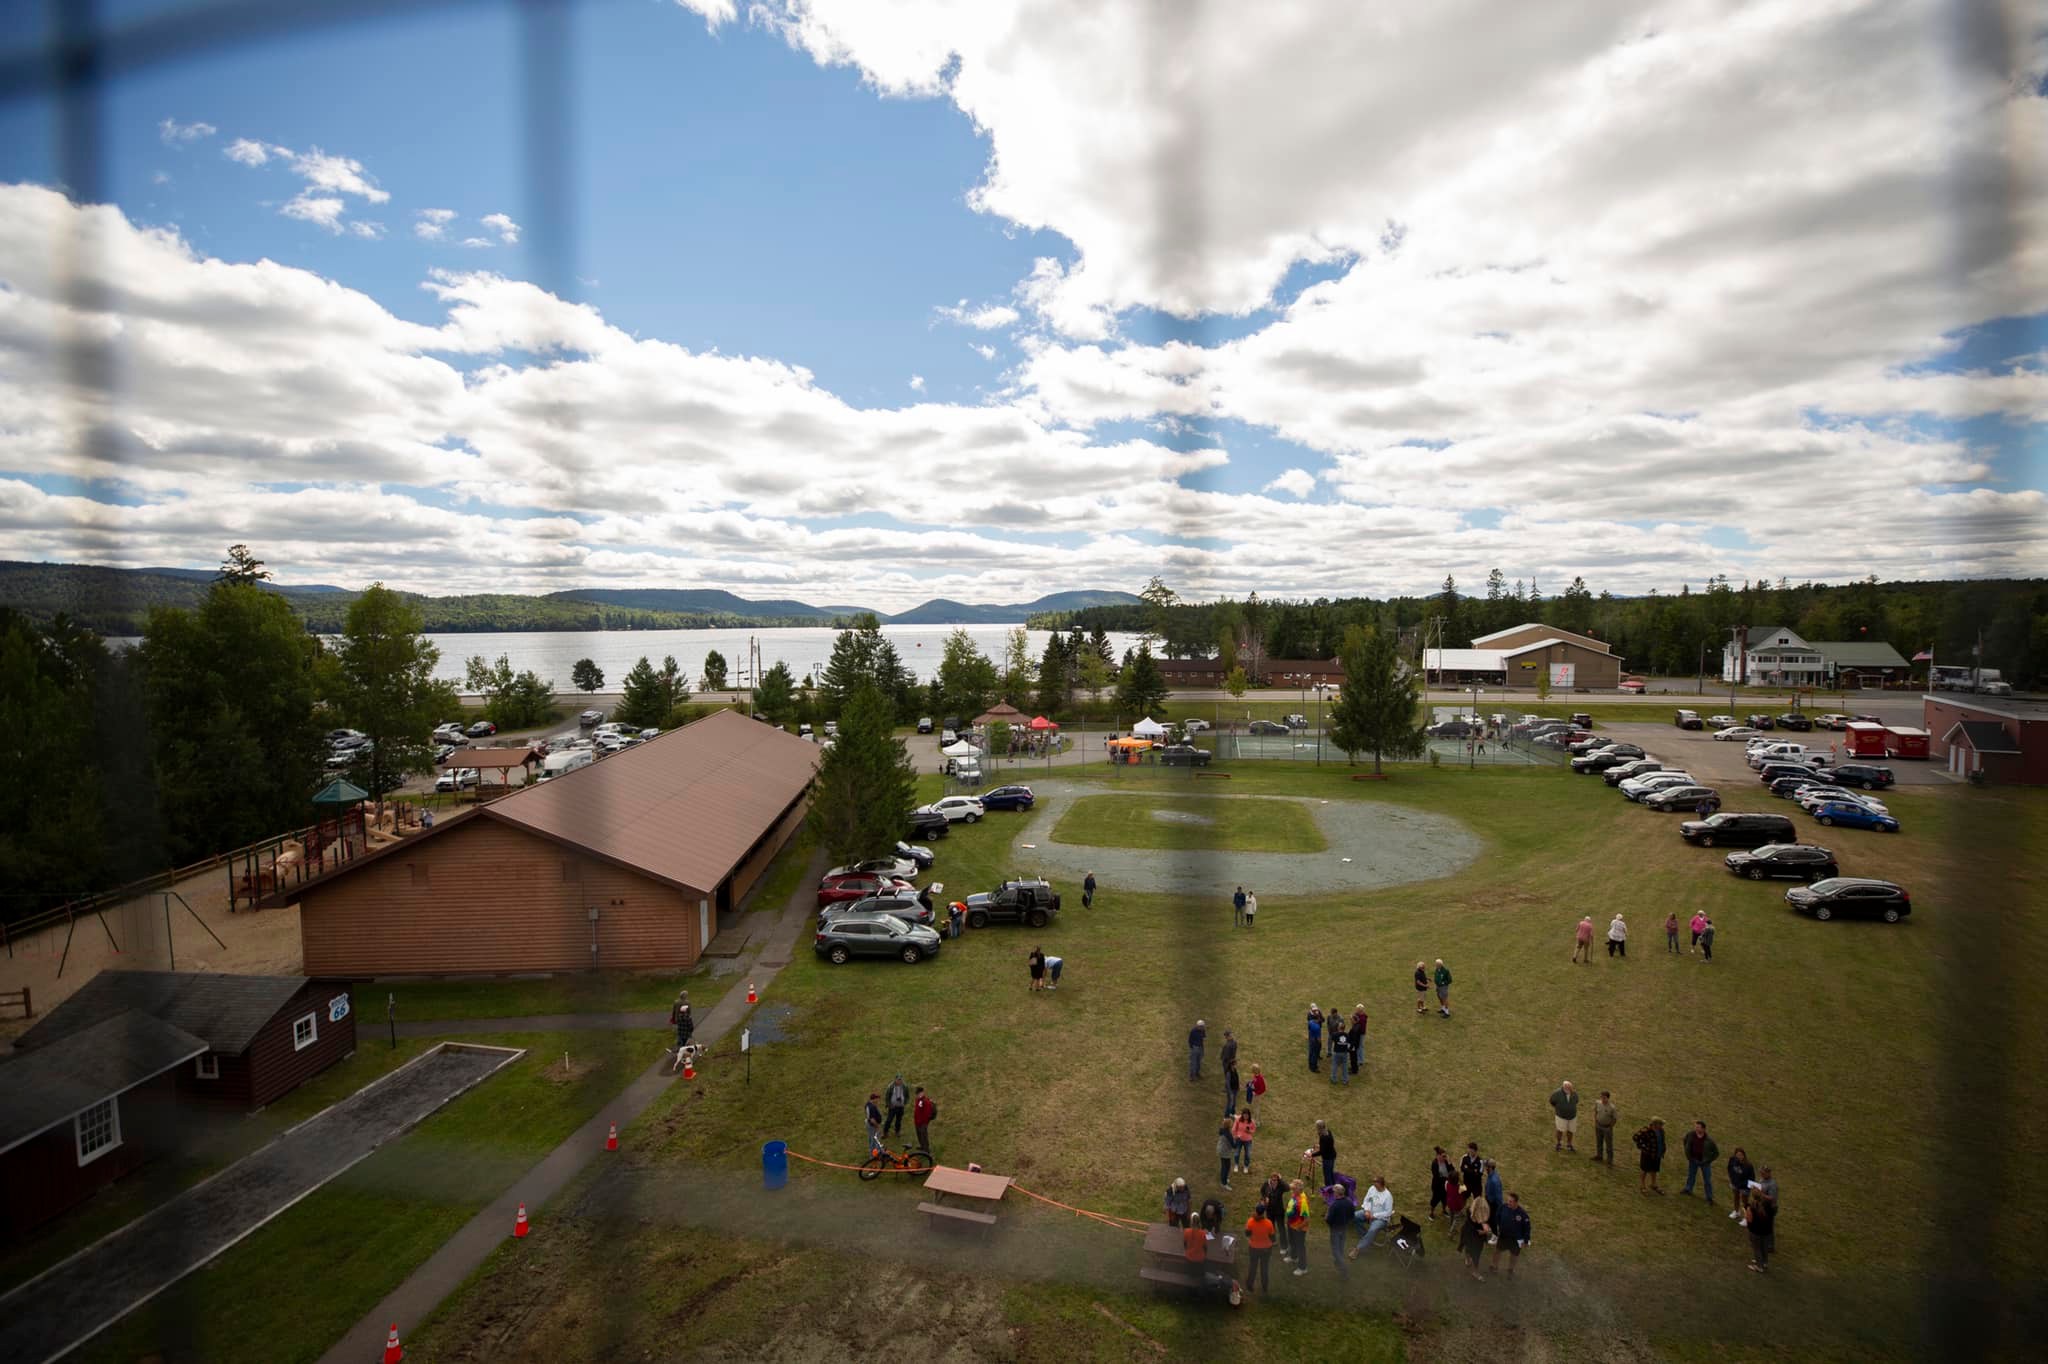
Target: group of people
x=1244 y=908
x=1346 y=1041
x=884 y=1110
x=1479 y=1210
x=1617 y=936
x=1045 y=971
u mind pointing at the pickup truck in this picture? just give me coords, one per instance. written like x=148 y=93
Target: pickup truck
x=1026 y=902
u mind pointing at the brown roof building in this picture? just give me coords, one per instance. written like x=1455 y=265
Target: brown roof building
x=627 y=863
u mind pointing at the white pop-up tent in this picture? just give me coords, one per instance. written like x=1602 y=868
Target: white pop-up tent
x=1148 y=728
x=961 y=749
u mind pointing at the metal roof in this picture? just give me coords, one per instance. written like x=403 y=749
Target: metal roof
x=1586 y=641
x=492 y=758
x=1986 y=736
x=226 y=1011
x=1465 y=660
x=684 y=808
x=54 y=1084
x=1859 y=654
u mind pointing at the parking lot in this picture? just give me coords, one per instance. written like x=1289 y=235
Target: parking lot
x=1722 y=764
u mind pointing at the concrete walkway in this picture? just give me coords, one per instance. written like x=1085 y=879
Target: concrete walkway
x=445 y=1270
x=61 y=1308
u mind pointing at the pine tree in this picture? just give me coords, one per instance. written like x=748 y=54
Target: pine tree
x=1378 y=709
x=644 y=703
x=1055 y=676
x=1142 y=688
x=865 y=782
x=775 y=700
x=242 y=567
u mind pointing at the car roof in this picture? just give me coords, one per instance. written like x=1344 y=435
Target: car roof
x=1857 y=881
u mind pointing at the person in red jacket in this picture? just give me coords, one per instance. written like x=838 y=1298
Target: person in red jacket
x=921 y=1114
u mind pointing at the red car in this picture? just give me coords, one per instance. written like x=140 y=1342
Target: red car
x=858 y=886
x=1632 y=684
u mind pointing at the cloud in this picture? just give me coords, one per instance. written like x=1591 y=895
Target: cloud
x=176 y=134
x=369 y=231
x=431 y=224
x=327 y=179
x=322 y=209
x=250 y=152
x=1296 y=482
x=917 y=383
x=338 y=175
x=986 y=318
x=714 y=12
x=478 y=243
x=507 y=230
x=986 y=352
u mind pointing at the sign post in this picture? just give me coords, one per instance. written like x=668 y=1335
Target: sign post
x=748 y=1052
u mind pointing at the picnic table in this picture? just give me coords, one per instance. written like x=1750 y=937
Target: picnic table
x=1163 y=1241
x=971 y=1184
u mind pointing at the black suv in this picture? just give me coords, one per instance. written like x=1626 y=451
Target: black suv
x=1786 y=786
x=1452 y=729
x=1185 y=755
x=1795 y=719
x=1639 y=767
x=927 y=824
x=1864 y=775
x=1771 y=772
x=1760 y=722
x=1028 y=902
x=842 y=937
x=1851 y=897
x=1737 y=830
x=1800 y=861
x=1602 y=759
x=1680 y=798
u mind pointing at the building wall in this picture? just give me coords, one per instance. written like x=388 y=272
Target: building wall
x=2028 y=768
x=486 y=897
x=1595 y=670
x=42 y=1177
x=756 y=862
x=272 y=1067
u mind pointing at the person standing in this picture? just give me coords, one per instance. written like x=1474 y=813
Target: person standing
x=1478 y=1226
x=1671 y=933
x=1226 y=1151
x=1511 y=1230
x=1297 y=1227
x=872 y=1115
x=1036 y=962
x=1326 y=1147
x=1340 y=1057
x=1273 y=1193
x=1230 y=1086
x=1471 y=1170
x=1178 y=1203
x=1258 y=1234
x=1251 y=908
x=1241 y=1133
x=1699 y=926
x=1255 y=1088
x=1237 y=908
x=1339 y=1217
x=1376 y=1210
x=1229 y=1051
x=1605 y=1116
x=1707 y=938
x=956 y=915
x=1315 y=1038
x=1359 y=1020
x=1617 y=937
x=1421 y=988
x=1761 y=1218
x=1583 y=950
x=921 y=1114
x=1700 y=1155
x=1088 y=891
x=1197 y=1035
x=1442 y=1174
x=1740 y=1173
x=1650 y=1155
x=1443 y=988
x=897 y=1097
x=1564 y=1108
x=1493 y=1185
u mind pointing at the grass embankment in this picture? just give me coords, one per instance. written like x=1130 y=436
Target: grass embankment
x=1190 y=823
x=598 y=992
x=1830 y=1051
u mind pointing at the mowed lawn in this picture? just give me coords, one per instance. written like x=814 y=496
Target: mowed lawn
x=1892 y=1076
x=1190 y=824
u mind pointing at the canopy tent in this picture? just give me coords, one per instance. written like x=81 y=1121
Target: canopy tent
x=1131 y=745
x=1041 y=723
x=1002 y=711
x=961 y=749
x=340 y=792
x=1149 y=728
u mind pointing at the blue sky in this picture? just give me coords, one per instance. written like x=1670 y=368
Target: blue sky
x=799 y=188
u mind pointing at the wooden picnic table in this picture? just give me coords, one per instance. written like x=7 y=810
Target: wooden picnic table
x=1164 y=1242
x=944 y=1179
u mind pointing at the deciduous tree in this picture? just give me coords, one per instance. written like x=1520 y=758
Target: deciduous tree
x=587 y=675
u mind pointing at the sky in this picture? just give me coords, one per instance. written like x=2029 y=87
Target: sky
x=862 y=302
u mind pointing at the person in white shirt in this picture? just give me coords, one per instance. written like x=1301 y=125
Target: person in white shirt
x=1375 y=1210
x=1617 y=937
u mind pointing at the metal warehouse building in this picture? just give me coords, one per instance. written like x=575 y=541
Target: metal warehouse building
x=626 y=864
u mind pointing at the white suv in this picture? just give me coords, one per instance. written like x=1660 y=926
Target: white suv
x=957 y=808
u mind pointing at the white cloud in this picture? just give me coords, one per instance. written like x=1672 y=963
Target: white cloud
x=714 y=12
x=337 y=175
x=250 y=152
x=431 y=224
x=477 y=243
x=1296 y=482
x=985 y=318
x=327 y=178
x=176 y=134
x=323 y=209
x=985 y=351
x=917 y=383
x=507 y=230
x=160 y=178
x=369 y=231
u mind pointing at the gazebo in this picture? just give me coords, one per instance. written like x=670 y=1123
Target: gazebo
x=340 y=824
x=1001 y=711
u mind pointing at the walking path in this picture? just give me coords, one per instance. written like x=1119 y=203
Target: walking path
x=75 y=1300
x=445 y=1270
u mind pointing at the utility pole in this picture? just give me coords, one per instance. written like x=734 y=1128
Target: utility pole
x=1735 y=672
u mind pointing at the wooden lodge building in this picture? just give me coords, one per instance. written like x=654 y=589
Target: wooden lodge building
x=625 y=864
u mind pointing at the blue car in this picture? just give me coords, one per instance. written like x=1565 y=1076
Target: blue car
x=1855 y=817
x=1008 y=798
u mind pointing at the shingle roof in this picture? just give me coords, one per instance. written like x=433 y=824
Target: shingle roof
x=1987 y=736
x=1857 y=653
x=53 y=1084
x=225 y=1011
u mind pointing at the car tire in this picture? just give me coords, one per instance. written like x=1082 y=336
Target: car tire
x=977 y=919
x=1036 y=918
x=1891 y=916
x=911 y=956
x=837 y=955
x=973 y=818
x=1755 y=873
x=1822 y=912
x=1706 y=840
x=1827 y=819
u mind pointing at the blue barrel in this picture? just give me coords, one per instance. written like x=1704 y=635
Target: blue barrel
x=774 y=1164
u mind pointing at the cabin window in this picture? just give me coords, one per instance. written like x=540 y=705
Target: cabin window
x=419 y=872
x=207 y=1067
x=98 y=1130
x=305 y=1032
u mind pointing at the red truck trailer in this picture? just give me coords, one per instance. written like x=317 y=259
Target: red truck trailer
x=1864 y=740
x=1906 y=743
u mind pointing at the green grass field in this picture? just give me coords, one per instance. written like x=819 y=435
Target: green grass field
x=1862 y=1061
x=1187 y=823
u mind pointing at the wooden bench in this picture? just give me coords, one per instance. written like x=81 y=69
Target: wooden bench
x=983 y=1220
x=1167 y=1276
x=1199 y=773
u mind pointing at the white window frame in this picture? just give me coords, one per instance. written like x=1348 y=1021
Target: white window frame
x=207 y=1067
x=312 y=1022
x=78 y=1126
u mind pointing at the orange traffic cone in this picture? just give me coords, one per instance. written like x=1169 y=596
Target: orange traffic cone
x=689 y=1070
x=393 y=1351
x=611 y=1143
x=519 y=1226
x=752 y=996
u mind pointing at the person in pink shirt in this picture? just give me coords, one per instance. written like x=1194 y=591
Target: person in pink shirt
x=1699 y=926
x=1584 y=951
x=1241 y=1133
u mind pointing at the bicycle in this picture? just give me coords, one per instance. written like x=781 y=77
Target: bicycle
x=909 y=1158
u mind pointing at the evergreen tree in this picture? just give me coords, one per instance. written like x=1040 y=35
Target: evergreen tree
x=1094 y=674
x=587 y=675
x=385 y=686
x=1099 y=642
x=865 y=784
x=1055 y=676
x=775 y=700
x=644 y=702
x=1496 y=585
x=242 y=567
x=1378 y=710
x=1142 y=689
x=714 y=671
x=856 y=662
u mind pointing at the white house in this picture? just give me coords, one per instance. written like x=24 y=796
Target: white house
x=1771 y=655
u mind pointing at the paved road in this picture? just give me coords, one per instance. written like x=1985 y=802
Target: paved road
x=54 y=1313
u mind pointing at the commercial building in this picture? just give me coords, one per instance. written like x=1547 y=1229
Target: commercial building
x=2004 y=738
x=1773 y=655
x=1518 y=657
x=627 y=863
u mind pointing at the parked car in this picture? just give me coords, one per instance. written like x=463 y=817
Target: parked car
x=1811 y=798
x=1785 y=786
x=589 y=718
x=1689 y=719
x=920 y=856
x=1770 y=772
x=1600 y=760
x=459 y=779
x=1855 y=816
x=1192 y=725
x=1795 y=720
x=1732 y=733
x=450 y=733
x=1736 y=829
x=1026 y=902
x=1590 y=743
x=1185 y=755
x=1799 y=861
x=954 y=808
x=651 y=732
x=1865 y=775
x=1452 y=729
x=1639 y=767
x=1583 y=719
x=1856 y=897
x=902 y=868
x=909 y=908
x=1266 y=727
x=482 y=729
x=858 y=886
x=1635 y=788
x=948 y=737
x=1680 y=797
x=846 y=936
x=1632 y=685
x=1832 y=720
x=343 y=738
x=610 y=743
x=924 y=724
x=1785 y=753
x=1759 y=721
x=1720 y=721
x=442 y=754
x=1008 y=798
x=927 y=823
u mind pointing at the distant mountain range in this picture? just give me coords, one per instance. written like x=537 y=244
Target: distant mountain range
x=117 y=601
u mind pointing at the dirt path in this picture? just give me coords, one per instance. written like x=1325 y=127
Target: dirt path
x=56 y=1311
